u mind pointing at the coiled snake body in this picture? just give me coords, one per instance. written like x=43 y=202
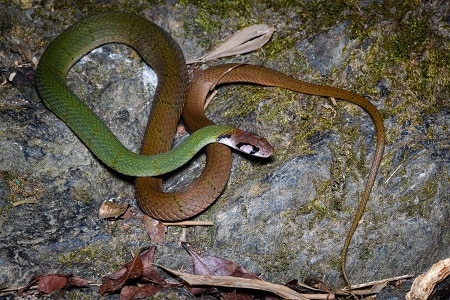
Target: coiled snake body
x=159 y=50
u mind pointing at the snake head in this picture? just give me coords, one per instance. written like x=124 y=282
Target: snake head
x=247 y=142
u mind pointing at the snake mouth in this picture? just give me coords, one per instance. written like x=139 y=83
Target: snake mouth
x=248 y=143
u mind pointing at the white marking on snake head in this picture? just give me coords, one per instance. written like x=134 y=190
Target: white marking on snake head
x=247 y=142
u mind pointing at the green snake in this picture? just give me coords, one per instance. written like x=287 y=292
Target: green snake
x=162 y=53
x=150 y=41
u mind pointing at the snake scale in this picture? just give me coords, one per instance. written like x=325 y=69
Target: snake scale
x=162 y=53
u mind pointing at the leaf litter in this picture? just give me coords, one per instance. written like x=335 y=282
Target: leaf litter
x=212 y=275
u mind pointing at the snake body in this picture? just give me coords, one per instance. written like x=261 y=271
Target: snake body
x=159 y=50
x=151 y=42
x=194 y=117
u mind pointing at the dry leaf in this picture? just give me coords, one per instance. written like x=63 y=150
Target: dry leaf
x=424 y=284
x=140 y=270
x=115 y=281
x=49 y=283
x=317 y=284
x=213 y=265
x=110 y=209
x=246 y=40
x=217 y=266
x=148 y=271
x=138 y=292
x=155 y=230
x=237 y=282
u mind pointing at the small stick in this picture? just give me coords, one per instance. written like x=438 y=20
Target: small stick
x=189 y=223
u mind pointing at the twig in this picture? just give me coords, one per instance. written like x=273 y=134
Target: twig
x=237 y=282
x=189 y=223
x=371 y=283
x=395 y=171
x=210 y=97
x=24 y=202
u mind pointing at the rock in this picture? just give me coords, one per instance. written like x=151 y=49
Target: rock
x=282 y=218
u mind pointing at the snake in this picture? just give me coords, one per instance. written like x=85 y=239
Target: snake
x=195 y=118
x=175 y=95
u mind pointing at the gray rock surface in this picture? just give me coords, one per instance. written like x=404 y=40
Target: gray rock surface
x=282 y=218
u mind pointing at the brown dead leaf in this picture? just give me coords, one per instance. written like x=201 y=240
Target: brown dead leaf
x=140 y=270
x=318 y=284
x=217 y=266
x=213 y=265
x=138 y=292
x=110 y=210
x=299 y=287
x=49 y=283
x=234 y=295
x=115 y=281
x=155 y=230
x=148 y=271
